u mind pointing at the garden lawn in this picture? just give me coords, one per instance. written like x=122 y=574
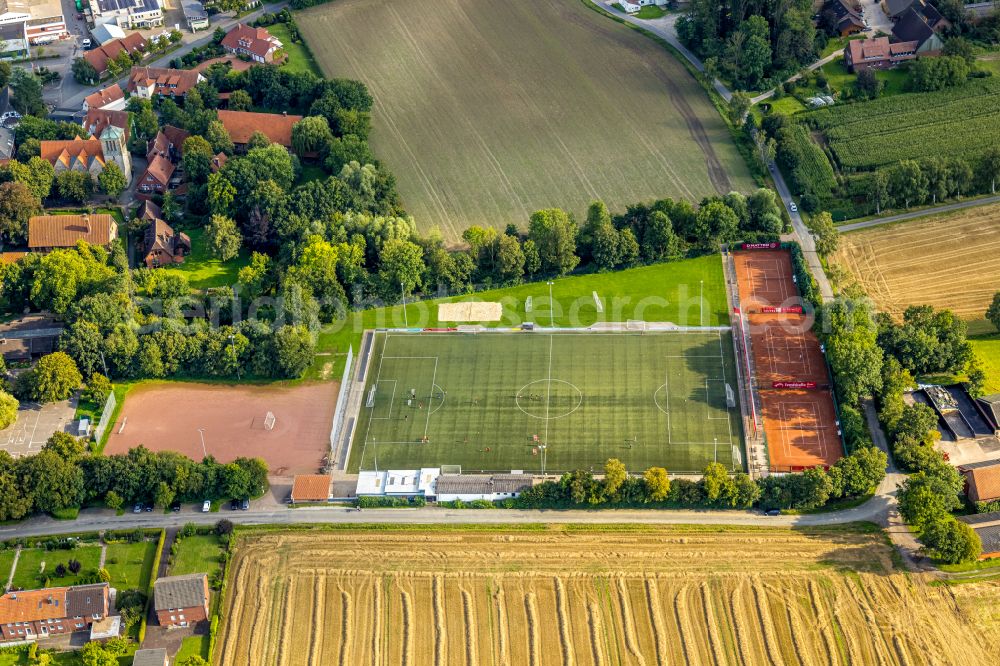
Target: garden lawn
x=6 y=562
x=650 y=12
x=193 y=646
x=29 y=565
x=197 y=554
x=204 y=271
x=300 y=59
x=987 y=350
x=661 y=292
x=130 y=564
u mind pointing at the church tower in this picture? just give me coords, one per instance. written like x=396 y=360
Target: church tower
x=115 y=150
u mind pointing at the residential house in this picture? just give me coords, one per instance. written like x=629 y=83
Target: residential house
x=470 y=487
x=180 y=601
x=29 y=336
x=97 y=120
x=982 y=480
x=922 y=24
x=195 y=15
x=633 y=6
x=28 y=615
x=111 y=98
x=105 y=53
x=90 y=155
x=148 y=211
x=895 y=9
x=42 y=20
x=162 y=246
x=311 y=488
x=51 y=232
x=845 y=16
x=128 y=14
x=877 y=53
x=150 y=657
x=218 y=162
x=156 y=178
x=169 y=142
x=242 y=124
x=146 y=82
x=257 y=44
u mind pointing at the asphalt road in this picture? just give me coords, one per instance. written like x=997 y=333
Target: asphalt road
x=958 y=205
x=90 y=520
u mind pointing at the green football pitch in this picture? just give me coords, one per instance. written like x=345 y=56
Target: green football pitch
x=506 y=401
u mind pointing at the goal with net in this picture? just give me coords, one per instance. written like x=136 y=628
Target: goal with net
x=269 y=421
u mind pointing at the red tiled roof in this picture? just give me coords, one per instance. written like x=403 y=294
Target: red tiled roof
x=100 y=56
x=66 y=230
x=105 y=96
x=98 y=119
x=257 y=41
x=33 y=605
x=984 y=483
x=66 y=151
x=242 y=124
x=160 y=168
x=311 y=488
x=168 y=81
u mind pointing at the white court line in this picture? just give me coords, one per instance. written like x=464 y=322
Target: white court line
x=378 y=377
x=819 y=437
x=392 y=399
x=548 y=393
x=427 y=424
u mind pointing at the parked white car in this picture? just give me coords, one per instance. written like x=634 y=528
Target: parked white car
x=206 y=507
x=792 y=207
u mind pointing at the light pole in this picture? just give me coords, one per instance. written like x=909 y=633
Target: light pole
x=236 y=360
x=406 y=318
x=716 y=457
x=552 y=310
x=375 y=454
x=543 y=447
x=201 y=431
x=701 y=303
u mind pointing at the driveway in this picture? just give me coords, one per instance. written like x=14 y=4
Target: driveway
x=876 y=17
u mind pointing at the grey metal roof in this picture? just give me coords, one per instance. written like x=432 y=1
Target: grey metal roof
x=979 y=518
x=990 y=536
x=179 y=591
x=980 y=464
x=468 y=484
x=150 y=657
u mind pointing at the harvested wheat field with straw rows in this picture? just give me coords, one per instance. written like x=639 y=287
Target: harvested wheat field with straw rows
x=948 y=261
x=564 y=595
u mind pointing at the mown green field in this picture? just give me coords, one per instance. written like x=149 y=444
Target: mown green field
x=491 y=401
x=488 y=111
x=987 y=350
x=689 y=292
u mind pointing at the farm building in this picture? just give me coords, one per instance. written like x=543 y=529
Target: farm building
x=982 y=480
x=877 y=53
x=987 y=527
x=180 y=601
x=470 y=487
x=845 y=15
x=254 y=43
x=311 y=488
x=923 y=24
x=990 y=406
x=27 y=615
x=49 y=232
x=241 y=125
x=398 y=483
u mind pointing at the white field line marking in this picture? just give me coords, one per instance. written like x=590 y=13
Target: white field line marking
x=392 y=399
x=666 y=393
x=433 y=379
x=722 y=362
x=378 y=377
x=548 y=394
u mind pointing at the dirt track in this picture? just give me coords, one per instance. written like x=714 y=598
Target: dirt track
x=560 y=595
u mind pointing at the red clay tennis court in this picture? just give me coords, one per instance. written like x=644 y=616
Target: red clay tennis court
x=765 y=279
x=800 y=423
x=167 y=417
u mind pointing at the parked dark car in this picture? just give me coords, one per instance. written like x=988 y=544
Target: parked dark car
x=773 y=512
x=175 y=507
x=137 y=508
x=234 y=505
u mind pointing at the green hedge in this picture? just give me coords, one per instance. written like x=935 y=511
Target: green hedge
x=152 y=581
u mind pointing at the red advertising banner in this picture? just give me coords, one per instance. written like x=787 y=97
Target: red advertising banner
x=760 y=246
x=793 y=385
x=771 y=309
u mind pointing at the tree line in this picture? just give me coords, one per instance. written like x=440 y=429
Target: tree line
x=876 y=357
x=65 y=475
x=852 y=476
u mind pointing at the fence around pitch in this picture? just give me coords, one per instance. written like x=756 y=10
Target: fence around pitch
x=109 y=410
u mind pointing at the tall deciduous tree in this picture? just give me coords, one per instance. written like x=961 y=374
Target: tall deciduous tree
x=554 y=232
x=55 y=377
x=17 y=205
x=657 y=484
x=112 y=180
x=223 y=237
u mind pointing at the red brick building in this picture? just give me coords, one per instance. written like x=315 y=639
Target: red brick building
x=180 y=601
x=38 y=614
x=877 y=53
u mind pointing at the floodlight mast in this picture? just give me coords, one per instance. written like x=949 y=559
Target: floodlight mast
x=552 y=311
